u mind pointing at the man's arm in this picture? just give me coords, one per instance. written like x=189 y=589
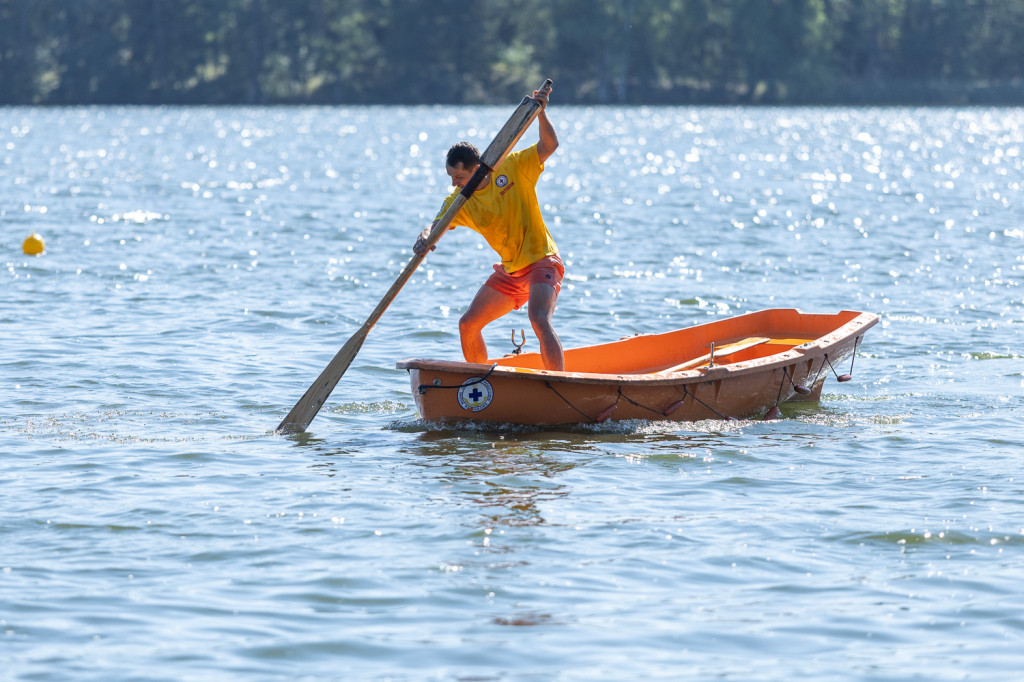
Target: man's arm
x=548 y=139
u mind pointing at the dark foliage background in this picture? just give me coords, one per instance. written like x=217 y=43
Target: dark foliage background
x=482 y=51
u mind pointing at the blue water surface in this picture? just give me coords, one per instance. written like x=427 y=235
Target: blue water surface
x=203 y=265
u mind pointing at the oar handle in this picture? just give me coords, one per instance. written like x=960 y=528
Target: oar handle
x=525 y=114
x=547 y=84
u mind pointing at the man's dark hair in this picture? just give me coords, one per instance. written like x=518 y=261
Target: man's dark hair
x=464 y=153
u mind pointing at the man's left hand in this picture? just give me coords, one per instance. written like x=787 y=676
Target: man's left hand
x=543 y=94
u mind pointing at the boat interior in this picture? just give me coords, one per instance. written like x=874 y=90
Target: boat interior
x=736 y=339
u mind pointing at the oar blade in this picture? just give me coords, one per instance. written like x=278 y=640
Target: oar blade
x=316 y=395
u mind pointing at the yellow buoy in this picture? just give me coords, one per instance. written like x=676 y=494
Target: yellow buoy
x=33 y=245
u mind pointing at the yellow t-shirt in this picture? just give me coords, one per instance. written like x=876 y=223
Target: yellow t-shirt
x=506 y=212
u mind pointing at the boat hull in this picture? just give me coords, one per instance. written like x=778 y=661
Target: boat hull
x=749 y=384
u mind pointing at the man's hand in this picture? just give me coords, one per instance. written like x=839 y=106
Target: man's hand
x=420 y=247
x=542 y=95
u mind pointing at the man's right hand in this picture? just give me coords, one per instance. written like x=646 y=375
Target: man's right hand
x=420 y=247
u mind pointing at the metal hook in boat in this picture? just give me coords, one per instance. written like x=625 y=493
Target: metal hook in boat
x=518 y=346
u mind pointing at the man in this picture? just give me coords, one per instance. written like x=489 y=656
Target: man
x=505 y=211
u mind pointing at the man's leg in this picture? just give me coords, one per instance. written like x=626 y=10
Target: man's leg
x=542 y=306
x=487 y=306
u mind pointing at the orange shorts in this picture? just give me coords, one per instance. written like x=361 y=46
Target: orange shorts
x=548 y=270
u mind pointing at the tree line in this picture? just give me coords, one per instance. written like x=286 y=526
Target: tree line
x=60 y=52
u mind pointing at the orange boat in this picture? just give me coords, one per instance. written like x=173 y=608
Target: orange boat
x=739 y=367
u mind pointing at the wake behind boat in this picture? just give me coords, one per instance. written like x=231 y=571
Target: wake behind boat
x=739 y=367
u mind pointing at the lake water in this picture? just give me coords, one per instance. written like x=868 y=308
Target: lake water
x=203 y=265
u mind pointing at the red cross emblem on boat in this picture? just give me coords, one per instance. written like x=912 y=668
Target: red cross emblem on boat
x=475 y=394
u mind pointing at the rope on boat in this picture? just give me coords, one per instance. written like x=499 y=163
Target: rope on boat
x=845 y=377
x=608 y=409
x=799 y=388
x=774 y=411
x=816 y=374
x=686 y=392
x=856 y=344
x=666 y=412
x=826 y=361
x=423 y=387
x=566 y=401
x=785 y=373
x=636 y=404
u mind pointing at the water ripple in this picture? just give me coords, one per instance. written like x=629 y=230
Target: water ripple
x=203 y=265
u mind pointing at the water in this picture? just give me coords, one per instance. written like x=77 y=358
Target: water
x=203 y=265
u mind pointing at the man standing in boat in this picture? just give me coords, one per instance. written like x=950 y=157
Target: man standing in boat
x=505 y=211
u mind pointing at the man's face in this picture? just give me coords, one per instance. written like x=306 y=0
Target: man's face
x=459 y=174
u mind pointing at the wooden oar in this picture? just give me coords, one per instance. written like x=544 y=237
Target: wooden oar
x=721 y=351
x=311 y=402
